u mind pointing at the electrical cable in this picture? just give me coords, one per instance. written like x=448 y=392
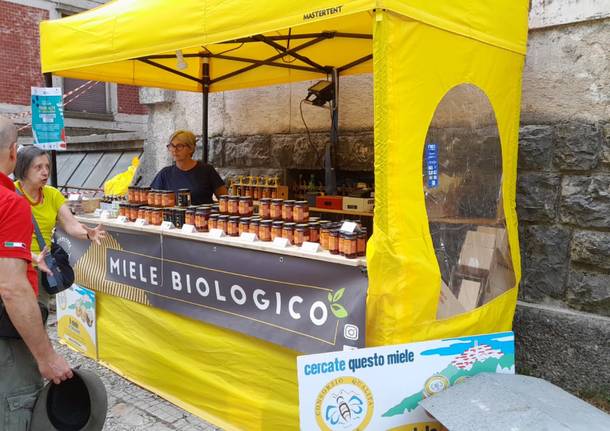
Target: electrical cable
x=313 y=148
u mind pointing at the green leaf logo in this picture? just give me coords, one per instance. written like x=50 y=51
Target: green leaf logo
x=338 y=310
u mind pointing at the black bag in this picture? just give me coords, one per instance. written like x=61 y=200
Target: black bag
x=58 y=261
x=7 y=329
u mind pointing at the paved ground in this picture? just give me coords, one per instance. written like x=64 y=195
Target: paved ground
x=130 y=407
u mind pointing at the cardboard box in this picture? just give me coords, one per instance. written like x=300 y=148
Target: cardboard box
x=477 y=238
x=470 y=292
x=441 y=202
x=500 y=280
x=358 y=204
x=330 y=202
x=476 y=260
x=501 y=243
x=448 y=304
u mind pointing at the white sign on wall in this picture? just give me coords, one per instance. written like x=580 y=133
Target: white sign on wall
x=380 y=388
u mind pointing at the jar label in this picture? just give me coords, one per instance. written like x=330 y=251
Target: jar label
x=188 y=228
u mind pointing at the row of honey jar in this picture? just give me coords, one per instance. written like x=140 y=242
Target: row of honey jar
x=158 y=198
x=274 y=209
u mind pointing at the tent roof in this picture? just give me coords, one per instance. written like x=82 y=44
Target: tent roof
x=115 y=42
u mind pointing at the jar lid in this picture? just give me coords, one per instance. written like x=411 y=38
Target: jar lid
x=244 y=220
x=190 y=210
x=289 y=202
x=255 y=220
x=214 y=215
x=184 y=190
x=277 y=201
x=314 y=224
x=223 y=216
x=245 y=198
x=290 y=225
x=145 y=188
x=234 y=198
x=302 y=226
x=203 y=210
x=180 y=210
x=234 y=218
x=266 y=222
x=266 y=200
x=278 y=223
x=334 y=232
x=223 y=197
x=301 y=203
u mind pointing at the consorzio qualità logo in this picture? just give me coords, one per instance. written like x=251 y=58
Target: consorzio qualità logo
x=322 y=12
x=344 y=403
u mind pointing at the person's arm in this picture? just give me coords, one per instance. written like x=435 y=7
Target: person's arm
x=219 y=191
x=22 y=308
x=74 y=228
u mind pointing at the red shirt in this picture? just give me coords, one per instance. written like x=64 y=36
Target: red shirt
x=16 y=227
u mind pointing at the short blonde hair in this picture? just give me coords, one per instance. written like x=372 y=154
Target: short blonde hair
x=184 y=137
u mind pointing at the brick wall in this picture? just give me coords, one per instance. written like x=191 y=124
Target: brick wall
x=20 y=53
x=129 y=100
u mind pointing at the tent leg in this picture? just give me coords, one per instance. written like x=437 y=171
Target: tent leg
x=48 y=82
x=330 y=174
x=205 y=69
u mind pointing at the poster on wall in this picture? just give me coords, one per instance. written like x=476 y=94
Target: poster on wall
x=380 y=388
x=48 y=118
x=76 y=319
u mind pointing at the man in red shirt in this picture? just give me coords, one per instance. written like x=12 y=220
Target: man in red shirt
x=22 y=361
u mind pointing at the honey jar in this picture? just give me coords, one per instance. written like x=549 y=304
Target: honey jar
x=158 y=195
x=245 y=206
x=301 y=234
x=254 y=225
x=325 y=229
x=287 y=210
x=333 y=241
x=144 y=195
x=314 y=232
x=233 y=226
x=264 y=230
x=147 y=214
x=131 y=195
x=150 y=201
x=300 y=212
x=264 y=208
x=276 y=229
x=223 y=204
x=288 y=231
x=179 y=217
x=244 y=225
x=222 y=222
x=168 y=199
x=361 y=242
x=233 y=205
x=133 y=212
x=213 y=221
x=202 y=215
x=275 y=210
x=156 y=216
x=123 y=209
x=189 y=216
x=350 y=245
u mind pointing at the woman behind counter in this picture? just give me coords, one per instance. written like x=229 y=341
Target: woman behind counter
x=200 y=178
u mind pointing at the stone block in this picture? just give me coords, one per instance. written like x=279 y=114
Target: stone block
x=567 y=348
x=296 y=152
x=585 y=200
x=606 y=144
x=544 y=262
x=355 y=152
x=591 y=248
x=153 y=96
x=535 y=147
x=216 y=151
x=590 y=292
x=577 y=147
x=248 y=151
x=537 y=196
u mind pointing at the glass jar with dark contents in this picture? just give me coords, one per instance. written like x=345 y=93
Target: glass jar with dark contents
x=314 y=232
x=245 y=206
x=254 y=225
x=361 y=242
x=168 y=214
x=300 y=212
x=189 y=216
x=350 y=245
x=184 y=197
x=156 y=216
x=179 y=217
x=144 y=195
x=133 y=212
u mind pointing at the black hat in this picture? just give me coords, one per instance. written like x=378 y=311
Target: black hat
x=77 y=404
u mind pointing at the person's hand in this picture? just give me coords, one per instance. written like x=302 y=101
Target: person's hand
x=96 y=234
x=55 y=368
x=40 y=262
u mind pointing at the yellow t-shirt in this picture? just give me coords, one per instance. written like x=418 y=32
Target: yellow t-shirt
x=45 y=212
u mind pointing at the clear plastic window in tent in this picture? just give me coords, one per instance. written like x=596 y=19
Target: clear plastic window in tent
x=462 y=179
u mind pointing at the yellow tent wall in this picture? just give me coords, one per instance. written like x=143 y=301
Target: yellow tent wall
x=420 y=50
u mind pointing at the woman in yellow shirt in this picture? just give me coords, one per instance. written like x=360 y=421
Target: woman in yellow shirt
x=48 y=204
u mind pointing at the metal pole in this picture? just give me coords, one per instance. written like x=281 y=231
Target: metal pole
x=205 y=72
x=330 y=173
x=48 y=82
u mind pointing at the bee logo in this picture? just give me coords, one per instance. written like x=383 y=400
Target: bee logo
x=345 y=403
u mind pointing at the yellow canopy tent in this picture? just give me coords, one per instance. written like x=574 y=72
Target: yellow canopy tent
x=418 y=51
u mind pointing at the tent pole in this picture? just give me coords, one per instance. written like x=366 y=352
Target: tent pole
x=48 y=82
x=330 y=174
x=205 y=69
